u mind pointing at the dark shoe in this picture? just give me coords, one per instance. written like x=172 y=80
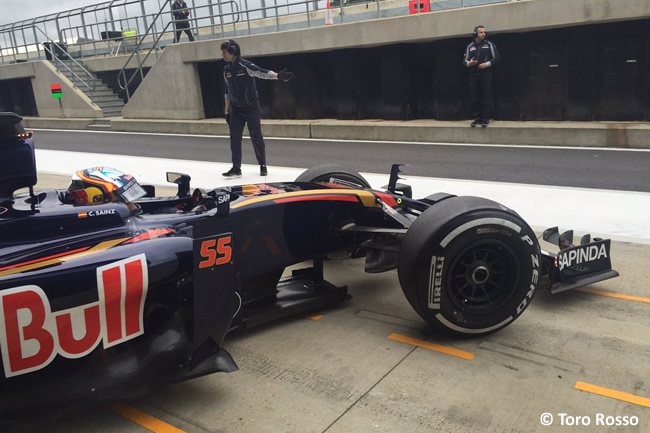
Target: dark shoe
x=233 y=172
x=475 y=123
x=263 y=170
x=485 y=123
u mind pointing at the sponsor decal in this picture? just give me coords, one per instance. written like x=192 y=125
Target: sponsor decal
x=472 y=48
x=534 y=258
x=129 y=185
x=574 y=257
x=435 y=281
x=32 y=335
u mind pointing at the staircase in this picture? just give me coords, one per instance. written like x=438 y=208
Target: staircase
x=102 y=95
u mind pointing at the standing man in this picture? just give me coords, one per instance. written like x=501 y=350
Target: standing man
x=480 y=56
x=181 y=16
x=243 y=104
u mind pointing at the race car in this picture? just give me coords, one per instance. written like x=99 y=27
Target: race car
x=108 y=291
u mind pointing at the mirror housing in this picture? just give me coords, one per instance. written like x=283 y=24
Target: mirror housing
x=183 y=182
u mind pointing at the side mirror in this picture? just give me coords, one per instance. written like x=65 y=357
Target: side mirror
x=150 y=190
x=183 y=182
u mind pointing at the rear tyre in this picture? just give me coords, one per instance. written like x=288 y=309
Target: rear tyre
x=469 y=266
x=333 y=173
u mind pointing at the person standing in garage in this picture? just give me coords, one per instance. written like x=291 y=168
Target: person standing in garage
x=480 y=57
x=242 y=104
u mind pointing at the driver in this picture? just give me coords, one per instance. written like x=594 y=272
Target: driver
x=98 y=185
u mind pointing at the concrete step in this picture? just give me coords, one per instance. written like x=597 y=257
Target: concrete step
x=100 y=124
x=105 y=98
x=91 y=81
x=112 y=113
x=99 y=127
x=100 y=92
x=118 y=104
x=101 y=121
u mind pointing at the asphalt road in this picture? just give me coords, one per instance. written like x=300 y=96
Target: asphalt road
x=613 y=169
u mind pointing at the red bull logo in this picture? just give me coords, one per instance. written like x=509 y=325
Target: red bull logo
x=31 y=335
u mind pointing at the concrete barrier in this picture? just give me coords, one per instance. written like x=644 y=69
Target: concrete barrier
x=578 y=134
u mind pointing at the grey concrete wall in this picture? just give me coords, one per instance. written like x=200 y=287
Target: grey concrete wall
x=530 y=15
x=42 y=73
x=159 y=96
x=171 y=89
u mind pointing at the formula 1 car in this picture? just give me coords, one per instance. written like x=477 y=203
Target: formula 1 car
x=112 y=299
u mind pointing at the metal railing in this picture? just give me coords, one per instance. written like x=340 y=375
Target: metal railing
x=57 y=53
x=81 y=28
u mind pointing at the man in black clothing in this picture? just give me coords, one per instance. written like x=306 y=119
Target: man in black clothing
x=181 y=16
x=243 y=104
x=480 y=56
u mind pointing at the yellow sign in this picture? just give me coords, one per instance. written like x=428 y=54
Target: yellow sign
x=129 y=33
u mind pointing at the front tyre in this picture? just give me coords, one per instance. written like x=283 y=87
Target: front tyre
x=469 y=266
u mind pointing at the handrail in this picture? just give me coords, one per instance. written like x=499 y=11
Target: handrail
x=122 y=81
x=136 y=52
x=15 y=47
x=53 y=54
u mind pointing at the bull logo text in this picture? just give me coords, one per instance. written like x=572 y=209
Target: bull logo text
x=31 y=335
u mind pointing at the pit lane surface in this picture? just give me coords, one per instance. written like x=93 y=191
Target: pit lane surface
x=615 y=169
x=342 y=372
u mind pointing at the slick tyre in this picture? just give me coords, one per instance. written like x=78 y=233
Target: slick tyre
x=469 y=266
x=333 y=173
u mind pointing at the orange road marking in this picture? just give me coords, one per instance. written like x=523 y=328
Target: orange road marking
x=315 y=316
x=431 y=346
x=614 y=295
x=618 y=395
x=147 y=421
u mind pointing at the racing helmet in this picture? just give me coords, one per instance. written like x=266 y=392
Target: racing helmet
x=98 y=185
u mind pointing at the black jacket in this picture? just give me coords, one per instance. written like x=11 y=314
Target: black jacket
x=240 y=82
x=485 y=52
x=179 y=16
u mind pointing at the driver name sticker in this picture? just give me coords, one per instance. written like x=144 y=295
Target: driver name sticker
x=31 y=334
x=94 y=213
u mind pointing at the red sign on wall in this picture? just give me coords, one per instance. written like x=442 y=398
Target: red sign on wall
x=56 y=90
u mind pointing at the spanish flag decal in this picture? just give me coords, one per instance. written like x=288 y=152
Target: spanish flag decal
x=82 y=214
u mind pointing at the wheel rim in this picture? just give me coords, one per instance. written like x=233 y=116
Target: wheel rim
x=483 y=277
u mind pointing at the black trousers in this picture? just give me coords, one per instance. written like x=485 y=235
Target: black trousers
x=480 y=86
x=238 y=118
x=180 y=30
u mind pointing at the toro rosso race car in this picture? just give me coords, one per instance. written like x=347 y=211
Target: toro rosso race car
x=107 y=291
